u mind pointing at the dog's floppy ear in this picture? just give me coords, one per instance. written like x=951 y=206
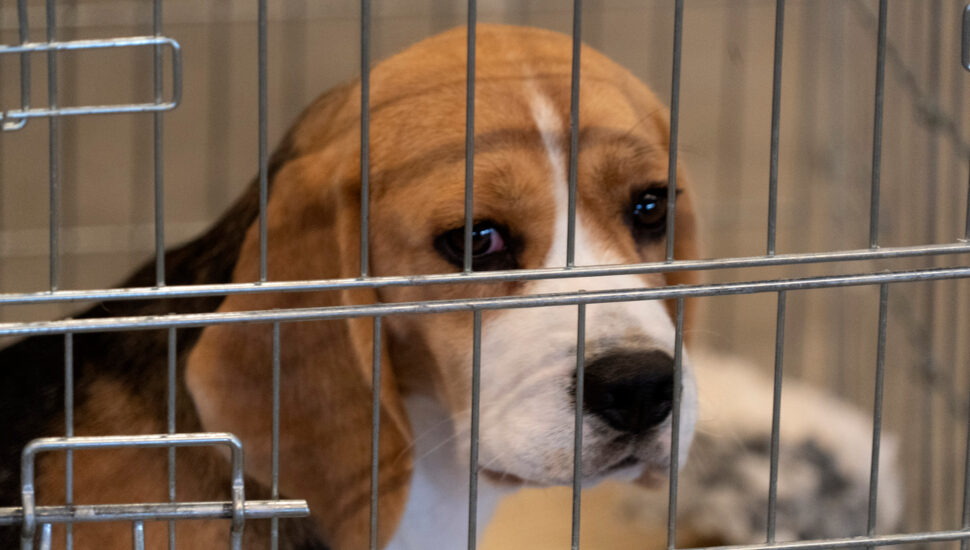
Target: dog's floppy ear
x=326 y=389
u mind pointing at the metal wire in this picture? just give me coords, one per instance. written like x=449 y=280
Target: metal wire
x=15 y=119
x=574 y=133
x=262 y=130
x=470 y=134
x=474 y=429
x=53 y=153
x=877 y=124
x=159 y=164
x=274 y=533
x=877 y=408
x=375 y=431
x=69 y=431
x=675 y=426
x=775 y=125
x=503 y=302
x=186 y=291
x=776 y=415
x=364 y=137
x=172 y=389
x=578 y=424
x=674 y=129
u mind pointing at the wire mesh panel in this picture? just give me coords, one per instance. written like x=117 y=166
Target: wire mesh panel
x=806 y=236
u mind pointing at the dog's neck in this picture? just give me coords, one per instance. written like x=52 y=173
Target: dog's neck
x=436 y=514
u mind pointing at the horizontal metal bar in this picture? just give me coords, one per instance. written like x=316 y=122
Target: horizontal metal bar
x=161 y=511
x=76 y=45
x=852 y=542
x=189 y=291
x=31 y=450
x=150 y=322
x=142 y=441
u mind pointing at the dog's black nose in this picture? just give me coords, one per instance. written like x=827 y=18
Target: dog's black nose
x=631 y=391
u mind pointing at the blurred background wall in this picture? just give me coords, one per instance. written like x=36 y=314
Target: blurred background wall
x=210 y=154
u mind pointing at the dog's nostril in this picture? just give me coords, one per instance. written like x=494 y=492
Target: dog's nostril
x=630 y=391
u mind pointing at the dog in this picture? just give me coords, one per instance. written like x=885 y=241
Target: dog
x=416 y=205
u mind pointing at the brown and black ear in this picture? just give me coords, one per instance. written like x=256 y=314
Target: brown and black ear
x=326 y=382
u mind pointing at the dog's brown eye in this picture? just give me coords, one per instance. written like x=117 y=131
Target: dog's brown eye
x=649 y=211
x=490 y=247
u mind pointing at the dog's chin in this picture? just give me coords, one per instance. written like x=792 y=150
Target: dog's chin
x=631 y=468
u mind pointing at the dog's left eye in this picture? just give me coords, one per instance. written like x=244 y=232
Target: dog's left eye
x=490 y=247
x=649 y=212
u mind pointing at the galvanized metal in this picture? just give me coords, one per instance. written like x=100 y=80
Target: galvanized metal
x=579 y=398
x=776 y=414
x=187 y=291
x=160 y=511
x=29 y=518
x=15 y=119
x=675 y=416
x=674 y=129
x=504 y=302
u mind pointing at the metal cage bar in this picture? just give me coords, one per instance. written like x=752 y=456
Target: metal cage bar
x=474 y=428
x=573 y=133
x=578 y=424
x=877 y=124
x=69 y=432
x=274 y=488
x=775 y=126
x=471 y=30
x=877 y=408
x=172 y=390
x=375 y=477
x=675 y=425
x=185 y=291
x=674 y=129
x=776 y=415
x=157 y=146
x=15 y=119
x=262 y=107
x=504 y=302
x=365 y=21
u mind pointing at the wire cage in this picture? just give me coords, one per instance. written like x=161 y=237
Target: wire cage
x=828 y=140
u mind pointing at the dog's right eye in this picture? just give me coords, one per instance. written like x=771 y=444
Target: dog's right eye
x=490 y=247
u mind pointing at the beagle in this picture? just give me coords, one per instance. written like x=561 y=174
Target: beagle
x=417 y=110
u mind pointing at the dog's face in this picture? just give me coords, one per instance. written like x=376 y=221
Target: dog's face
x=417 y=198
x=520 y=212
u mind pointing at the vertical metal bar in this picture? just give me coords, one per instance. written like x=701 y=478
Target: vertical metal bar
x=375 y=441
x=928 y=456
x=263 y=174
x=574 y=133
x=476 y=410
x=877 y=407
x=470 y=133
x=23 y=28
x=674 y=129
x=578 y=423
x=172 y=392
x=138 y=535
x=53 y=153
x=675 y=427
x=877 y=125
x=69 y=432
x=364 y=137
x=46 y=537
x=274 y=533
x=965 y=543
x=157 y=144
x=775 y=124
x=776 y=414
x=966 y=229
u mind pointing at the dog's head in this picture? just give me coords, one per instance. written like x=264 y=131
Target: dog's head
x=417 y=198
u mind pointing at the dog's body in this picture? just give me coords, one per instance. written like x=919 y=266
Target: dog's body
x=416 y=204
